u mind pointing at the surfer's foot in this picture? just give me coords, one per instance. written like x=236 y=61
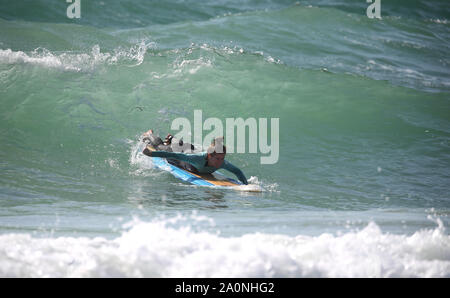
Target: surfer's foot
x=149 y=132
x=146 y=135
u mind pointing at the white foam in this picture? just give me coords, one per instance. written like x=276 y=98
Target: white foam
x=71 y=61
x=184 y=246
x=264 y=186
x=439 y=21
x=406 y=73
x=47 y=59
x=141 y=164
x=191 y=65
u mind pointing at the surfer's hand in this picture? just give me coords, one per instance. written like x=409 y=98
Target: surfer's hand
x=147 y=151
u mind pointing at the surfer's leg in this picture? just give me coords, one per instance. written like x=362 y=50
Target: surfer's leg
x=163 y=147
x=183 y=147
x=153 y=140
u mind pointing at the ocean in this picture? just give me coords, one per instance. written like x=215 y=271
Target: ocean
x=362 y=182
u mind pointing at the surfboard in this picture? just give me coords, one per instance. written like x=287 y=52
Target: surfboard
x=215 y=179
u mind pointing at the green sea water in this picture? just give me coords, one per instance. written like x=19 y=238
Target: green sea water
x=364 y=129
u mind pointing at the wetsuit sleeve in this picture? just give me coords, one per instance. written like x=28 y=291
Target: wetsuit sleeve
x=235 y=170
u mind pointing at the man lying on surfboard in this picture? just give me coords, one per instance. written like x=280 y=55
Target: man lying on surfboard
x=204 y=162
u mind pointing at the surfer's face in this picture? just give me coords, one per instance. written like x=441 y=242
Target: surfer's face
x=216 y=160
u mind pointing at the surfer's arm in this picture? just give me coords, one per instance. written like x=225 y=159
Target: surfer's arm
x=235 y=170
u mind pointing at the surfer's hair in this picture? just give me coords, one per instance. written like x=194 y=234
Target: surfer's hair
x=217 y=146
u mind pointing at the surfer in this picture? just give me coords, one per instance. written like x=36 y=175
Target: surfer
x=203 y=162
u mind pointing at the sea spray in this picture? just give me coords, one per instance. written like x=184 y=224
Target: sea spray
x=180 y=247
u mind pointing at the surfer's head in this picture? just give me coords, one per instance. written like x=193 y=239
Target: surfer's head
x=216 y=153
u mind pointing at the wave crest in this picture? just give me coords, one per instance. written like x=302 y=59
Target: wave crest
x=71 y=61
